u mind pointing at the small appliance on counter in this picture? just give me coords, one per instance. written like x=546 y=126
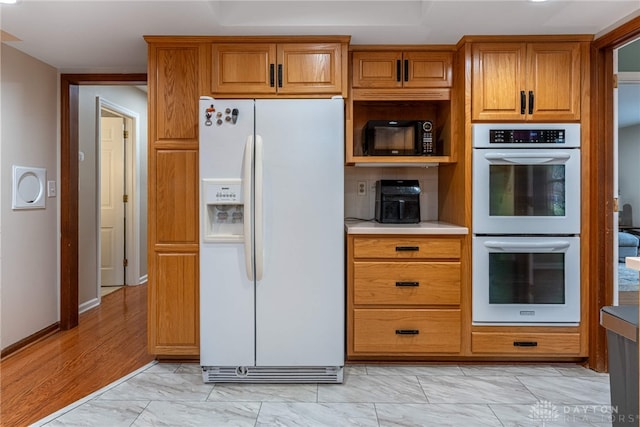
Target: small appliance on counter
x=398 y=201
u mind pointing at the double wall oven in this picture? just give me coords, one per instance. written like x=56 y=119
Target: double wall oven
x=526 y=223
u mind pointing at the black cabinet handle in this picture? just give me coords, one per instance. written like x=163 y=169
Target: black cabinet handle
x=407 y=331
x=523 y=102
x=398 y=70
x=272 y=75
x=407 y=248
x=525 y=343
x=406 y=70
x=279 y=75
x=530 y=102
x=408 y=284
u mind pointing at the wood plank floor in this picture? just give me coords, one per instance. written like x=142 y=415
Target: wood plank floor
x=109 y=343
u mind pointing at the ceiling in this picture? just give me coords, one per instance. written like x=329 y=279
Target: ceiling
x=93 y=36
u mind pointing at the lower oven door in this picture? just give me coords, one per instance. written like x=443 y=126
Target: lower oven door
x=526 y=191
x=523 y=279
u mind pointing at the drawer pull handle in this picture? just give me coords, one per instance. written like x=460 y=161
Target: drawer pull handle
x=408 y=284
x=407 y=331
x=407 y=248
x=525 y=343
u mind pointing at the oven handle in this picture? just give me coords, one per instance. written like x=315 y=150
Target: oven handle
x=549 y=246
x=528 y=157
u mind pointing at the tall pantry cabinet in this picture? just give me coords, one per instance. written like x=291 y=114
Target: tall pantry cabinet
x=180 y=70
x=174 y=88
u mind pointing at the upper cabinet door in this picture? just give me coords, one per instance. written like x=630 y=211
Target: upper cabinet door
x=427 y=69
x=520 y=81
x=243 y=68
x=397 y=69
x=377 y=69
x=175 y=86
x=276 y=69
x=309 y=68
x=498 y=81
x=554 y=78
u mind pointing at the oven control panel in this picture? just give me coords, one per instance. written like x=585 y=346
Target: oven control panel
x=527 y=136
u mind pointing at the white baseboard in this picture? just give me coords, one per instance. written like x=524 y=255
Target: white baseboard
x=88 y=305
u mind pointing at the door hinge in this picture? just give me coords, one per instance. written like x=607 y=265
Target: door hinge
x=615 y=81
x=125 y=198
x=125 y=262
x=615 y=205
x=125 y=134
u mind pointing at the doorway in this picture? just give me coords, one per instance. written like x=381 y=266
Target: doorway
x=69 y=183
x=626 y=173
x=118 y=235
x=601 y=219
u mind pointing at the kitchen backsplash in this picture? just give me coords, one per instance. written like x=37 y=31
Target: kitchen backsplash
x=358 y=205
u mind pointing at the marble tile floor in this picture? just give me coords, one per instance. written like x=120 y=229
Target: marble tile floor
x=371 y=395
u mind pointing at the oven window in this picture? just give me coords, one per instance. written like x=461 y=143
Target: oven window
x=526 y=278
x=527 y=190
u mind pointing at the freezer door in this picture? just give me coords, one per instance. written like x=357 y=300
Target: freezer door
x=223 y=138
x=227 y=324
x=300 y=297
x=227 y=294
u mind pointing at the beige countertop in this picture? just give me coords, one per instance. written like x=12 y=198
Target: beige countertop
x=426 y=227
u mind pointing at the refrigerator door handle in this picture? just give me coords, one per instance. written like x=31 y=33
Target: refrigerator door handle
x=246 y=182
x=258 y=219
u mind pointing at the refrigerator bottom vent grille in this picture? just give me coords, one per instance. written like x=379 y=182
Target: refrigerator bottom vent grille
x=265 y=374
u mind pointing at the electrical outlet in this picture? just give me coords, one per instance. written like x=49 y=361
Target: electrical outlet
x=362 y=188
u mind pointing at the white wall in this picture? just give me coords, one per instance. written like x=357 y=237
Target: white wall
x=132 y=99
x=29 y=240
x=629 y=169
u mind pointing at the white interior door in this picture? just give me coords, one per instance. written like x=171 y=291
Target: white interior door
x=111 y=202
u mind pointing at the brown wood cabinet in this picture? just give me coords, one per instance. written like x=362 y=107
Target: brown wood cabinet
x=526 y=343
x=179 y=72
x=174 y=89
x=526 y=81
x=403 y=296
x=278 y=68
x=404 y=82
x=397 y=69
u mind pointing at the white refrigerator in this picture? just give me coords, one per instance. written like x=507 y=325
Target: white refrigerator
x=272 y=240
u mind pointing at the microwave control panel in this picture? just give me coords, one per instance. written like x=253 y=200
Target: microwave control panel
x=427 y=138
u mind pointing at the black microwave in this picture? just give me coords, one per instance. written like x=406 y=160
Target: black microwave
x=398 y=138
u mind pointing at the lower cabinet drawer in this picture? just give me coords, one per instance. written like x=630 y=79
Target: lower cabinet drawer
x=391 y=331
x=405 y=283
x=406 y=247
x=524 y=343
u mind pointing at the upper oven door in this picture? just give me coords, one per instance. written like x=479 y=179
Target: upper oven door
x=526 y=191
